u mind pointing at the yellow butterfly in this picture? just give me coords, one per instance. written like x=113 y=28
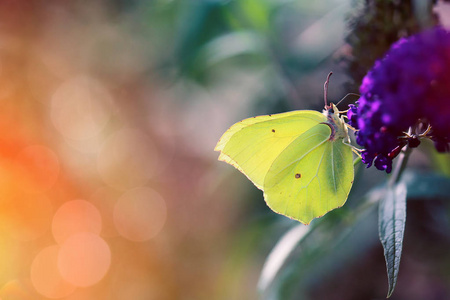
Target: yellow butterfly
x=300 y=160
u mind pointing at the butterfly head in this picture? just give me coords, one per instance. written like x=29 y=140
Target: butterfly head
x=335 y=121
x=331 y=109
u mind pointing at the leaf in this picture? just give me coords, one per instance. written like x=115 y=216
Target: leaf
x=331 y=244
x=256 y=13
x=441 y=162
x=231 y=45
x=392 y=218
x=279 y=255
x=357 y=161
x=199 y=22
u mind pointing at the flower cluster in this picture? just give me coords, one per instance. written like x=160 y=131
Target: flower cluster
x=410 y=84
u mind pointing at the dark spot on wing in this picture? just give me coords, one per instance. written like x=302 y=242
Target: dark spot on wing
x=273 y=130
x=298 y=175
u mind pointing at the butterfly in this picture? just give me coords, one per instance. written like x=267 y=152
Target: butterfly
x=301 y=160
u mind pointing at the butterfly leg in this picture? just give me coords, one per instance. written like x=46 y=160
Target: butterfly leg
x=351 y=127
x=355 y=150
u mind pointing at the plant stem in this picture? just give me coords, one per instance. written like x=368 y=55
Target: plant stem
x=400 y=166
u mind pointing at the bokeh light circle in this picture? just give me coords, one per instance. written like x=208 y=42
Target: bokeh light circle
x=80 y=108
x=128 y=159
x=45 y=275
x=140 y=214
x=39 y=167
x=84 y=259
x=74 y=217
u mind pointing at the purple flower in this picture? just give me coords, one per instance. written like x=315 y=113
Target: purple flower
x=383 y=163
x=410 y=83
x=352 y=115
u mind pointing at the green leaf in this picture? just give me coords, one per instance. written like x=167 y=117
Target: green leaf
x=231 y=45
x=278 y=257
x=306 y=255
x=256 y=13
x=357 y=161
x=392 y=218
x=199 y=22
x=441 y=161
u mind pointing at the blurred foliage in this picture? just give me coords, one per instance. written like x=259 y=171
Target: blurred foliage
x=269 y=37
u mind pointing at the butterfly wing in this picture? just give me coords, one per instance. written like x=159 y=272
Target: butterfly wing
x=310 y=177
x=253 y=144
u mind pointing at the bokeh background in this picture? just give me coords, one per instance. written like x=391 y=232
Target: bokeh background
x=109 y=114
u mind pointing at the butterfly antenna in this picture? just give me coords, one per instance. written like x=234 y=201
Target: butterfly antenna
x=345 y=97
x=325 y=90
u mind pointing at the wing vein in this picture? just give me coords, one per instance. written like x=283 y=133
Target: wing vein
x=305 y=154
x=342 y=159
x=307 y=200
